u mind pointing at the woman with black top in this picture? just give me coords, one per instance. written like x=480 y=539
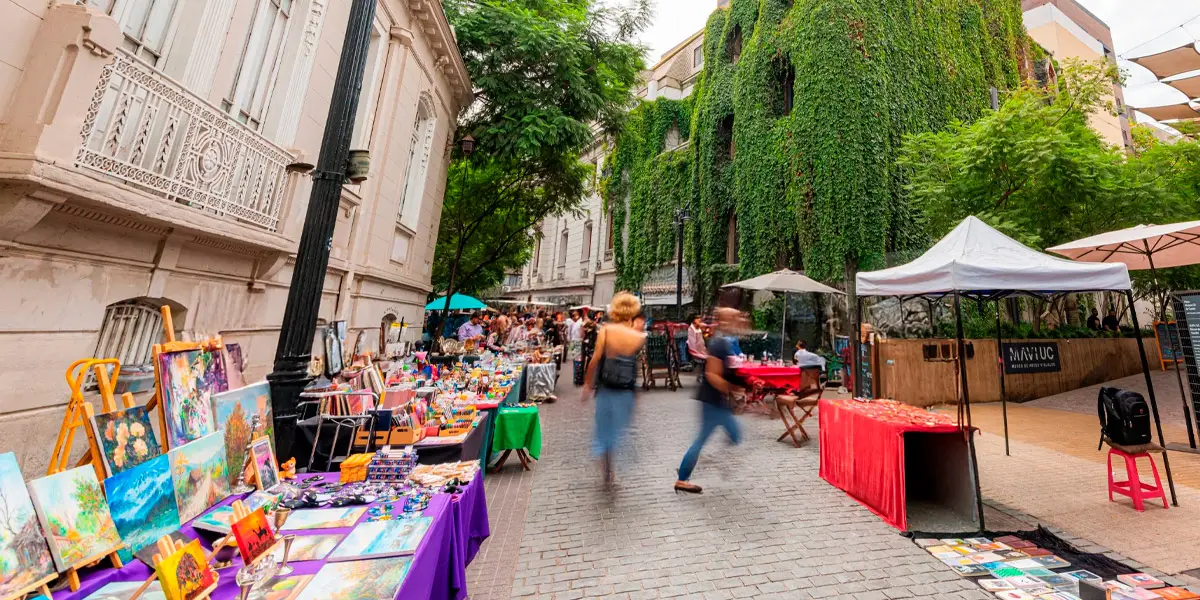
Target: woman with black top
x=613 y=374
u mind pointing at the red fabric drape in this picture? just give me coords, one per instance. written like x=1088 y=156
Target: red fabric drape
x=862 y=451
x=771 y=377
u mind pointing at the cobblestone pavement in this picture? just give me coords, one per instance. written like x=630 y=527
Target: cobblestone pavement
x=766 y=526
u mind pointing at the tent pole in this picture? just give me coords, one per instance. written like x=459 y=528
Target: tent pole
x=966 y=399
x=1003 y=392
x=1137 y=333
x=856 y=344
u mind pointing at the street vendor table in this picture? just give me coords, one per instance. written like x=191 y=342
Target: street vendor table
x=437 y=450
x=886 y=455
x=438 y=572
x=785 y=378
x=518 y=428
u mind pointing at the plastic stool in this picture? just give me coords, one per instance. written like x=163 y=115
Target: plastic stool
x=1133 y=486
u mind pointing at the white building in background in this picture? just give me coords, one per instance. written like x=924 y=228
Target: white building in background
x=573 y=259
x=154 y=153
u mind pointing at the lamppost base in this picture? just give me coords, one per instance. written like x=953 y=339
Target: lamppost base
x=287 y=382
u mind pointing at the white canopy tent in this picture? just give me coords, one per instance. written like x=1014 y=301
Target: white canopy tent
x=976 y=261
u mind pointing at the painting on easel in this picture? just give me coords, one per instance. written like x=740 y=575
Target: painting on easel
x=200 y=475
x=187 y=381
x=24 y=556
x=126 y=438
x=235 y=411
x=73 y=512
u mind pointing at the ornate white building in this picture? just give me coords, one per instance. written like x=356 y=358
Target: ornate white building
x=156 y=152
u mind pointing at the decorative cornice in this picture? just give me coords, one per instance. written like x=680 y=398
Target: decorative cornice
x=402 y=35
x=430 y=17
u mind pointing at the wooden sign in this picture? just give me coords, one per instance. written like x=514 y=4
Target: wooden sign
x=1031 y=357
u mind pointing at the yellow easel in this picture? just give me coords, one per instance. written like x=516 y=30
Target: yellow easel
x=79 y=412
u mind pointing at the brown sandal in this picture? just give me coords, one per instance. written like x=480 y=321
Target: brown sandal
x=691 y=488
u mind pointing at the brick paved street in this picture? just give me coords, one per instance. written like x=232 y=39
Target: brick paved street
x=766 y=526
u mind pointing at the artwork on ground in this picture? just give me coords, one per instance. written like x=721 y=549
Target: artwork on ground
x=74 y=515
x=123 y=590
x=379 y=578
x=379 y=539
x=234 y=412
x=24 y=555
x=186 y=383
x=185 y=573
x=142 y=503
x=254 y=536
x=283 y=588
x=324 y=518
x=265 y=469
x=200 y=476
x=310 y=547
x=126 y=438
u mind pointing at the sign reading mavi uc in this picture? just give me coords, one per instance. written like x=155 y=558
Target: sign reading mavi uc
x=1031 y=357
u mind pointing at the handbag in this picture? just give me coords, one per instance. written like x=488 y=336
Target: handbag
x=618 y=372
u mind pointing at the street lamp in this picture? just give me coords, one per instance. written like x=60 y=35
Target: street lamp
x=467 y=145
x=681 y=217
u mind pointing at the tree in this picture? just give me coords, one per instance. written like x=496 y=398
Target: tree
x=549 y=76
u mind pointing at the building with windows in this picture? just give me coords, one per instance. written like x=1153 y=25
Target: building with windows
x=1065 y=29
x=159 y=152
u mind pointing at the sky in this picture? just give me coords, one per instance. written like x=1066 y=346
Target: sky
x=1138 y=28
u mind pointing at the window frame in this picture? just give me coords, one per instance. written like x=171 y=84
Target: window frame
x=267 y=75
x=137 y=45
x=130 y=342
x=420 y=153
x=586 y=254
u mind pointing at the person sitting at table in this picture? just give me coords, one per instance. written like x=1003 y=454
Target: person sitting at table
x=804 y=358
x=695 y=340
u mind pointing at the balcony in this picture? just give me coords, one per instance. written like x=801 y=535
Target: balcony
x=148 y=132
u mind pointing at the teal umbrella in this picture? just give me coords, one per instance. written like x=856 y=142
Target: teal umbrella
x=457 y=302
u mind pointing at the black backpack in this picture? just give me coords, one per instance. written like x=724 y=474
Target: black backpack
x=1124 y=416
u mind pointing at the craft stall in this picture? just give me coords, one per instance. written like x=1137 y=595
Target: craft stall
x=208 y=512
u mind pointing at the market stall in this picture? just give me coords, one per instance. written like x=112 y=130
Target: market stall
x=518 y=428
x=977 y=262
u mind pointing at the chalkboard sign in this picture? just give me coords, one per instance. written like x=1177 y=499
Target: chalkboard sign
x=1031 y=357
x=1187 y=314
x=1164 y=332
x=867 y=390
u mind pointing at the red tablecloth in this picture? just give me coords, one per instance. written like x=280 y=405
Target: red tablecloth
x=787 y=378
x=862 y=450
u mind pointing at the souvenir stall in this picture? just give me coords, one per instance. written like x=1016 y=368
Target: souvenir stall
x=865 y=444
x=208 y=511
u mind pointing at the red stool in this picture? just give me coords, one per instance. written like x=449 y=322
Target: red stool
x=1133 y=486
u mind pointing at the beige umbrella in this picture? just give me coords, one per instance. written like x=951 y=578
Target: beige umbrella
x=785 y=281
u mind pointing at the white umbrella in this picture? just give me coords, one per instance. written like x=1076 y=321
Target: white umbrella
x=1141 y=247
x=785 y=281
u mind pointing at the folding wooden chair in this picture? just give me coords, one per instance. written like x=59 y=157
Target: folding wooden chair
x=806 y=399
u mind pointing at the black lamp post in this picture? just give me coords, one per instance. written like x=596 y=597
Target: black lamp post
x=681 y=217
x=467 y=145
x=294 y=352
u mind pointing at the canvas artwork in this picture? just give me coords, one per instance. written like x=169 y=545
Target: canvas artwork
x=200 y=475
x=234 y=412
x=265 y=469
x=378 y=539
x=216 y=520
x=324 y=518
x=123 y=590
x=146 y=553
x=126 y=438
x=24 y=555
x=186 y=573
x=380 y=578
x=310 y=547
x=187 y=381
x=142 y=503
x=283 y=588
x=72 y=510
x=254 y=536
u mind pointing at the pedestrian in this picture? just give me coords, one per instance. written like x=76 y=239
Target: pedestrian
x=575 y=346
x=613 y=374
x=715 y=396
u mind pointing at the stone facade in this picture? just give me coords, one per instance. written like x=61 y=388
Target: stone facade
x=163 y=158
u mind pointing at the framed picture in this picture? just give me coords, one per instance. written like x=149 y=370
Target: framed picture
x=254 y=536
x=200 y=475
x=333 y=350
x=265 y=470
x=75 y=516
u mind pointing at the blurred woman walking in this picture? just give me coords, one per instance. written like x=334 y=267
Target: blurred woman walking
x=612 y=372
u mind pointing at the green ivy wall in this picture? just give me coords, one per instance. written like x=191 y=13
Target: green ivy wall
x=815 y=187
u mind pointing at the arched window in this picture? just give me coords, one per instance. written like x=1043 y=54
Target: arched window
x=418 y=163
x=130 y=330
x=733 y=46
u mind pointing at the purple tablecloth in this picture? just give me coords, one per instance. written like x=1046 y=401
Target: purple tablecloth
x=439 y=570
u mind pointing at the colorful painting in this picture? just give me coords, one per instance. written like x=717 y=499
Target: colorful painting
x=379 y=539
x=146 y=553
x=126 y=438
x=186 y=573
x=310 y=547
x=324 y=518
x=24 y=555
x=254 y=536
x=265 y=470
x=123 y=590
x=380 y=578
x=72 y=510
x=283 y=588
x=216 y=520
x=200 y=475
x=142 y=503
x=234 y=412
x=186 y=384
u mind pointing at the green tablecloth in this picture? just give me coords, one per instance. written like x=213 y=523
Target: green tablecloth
x=516 y=429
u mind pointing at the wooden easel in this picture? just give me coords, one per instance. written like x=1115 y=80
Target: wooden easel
x=167 y=547
x=42 y=587
x=79 y=410
x=72 y=573
x=171 y=345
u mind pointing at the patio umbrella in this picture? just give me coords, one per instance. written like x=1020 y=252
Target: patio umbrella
x=457 y=302
x=1140 y=248
x=785 y=281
